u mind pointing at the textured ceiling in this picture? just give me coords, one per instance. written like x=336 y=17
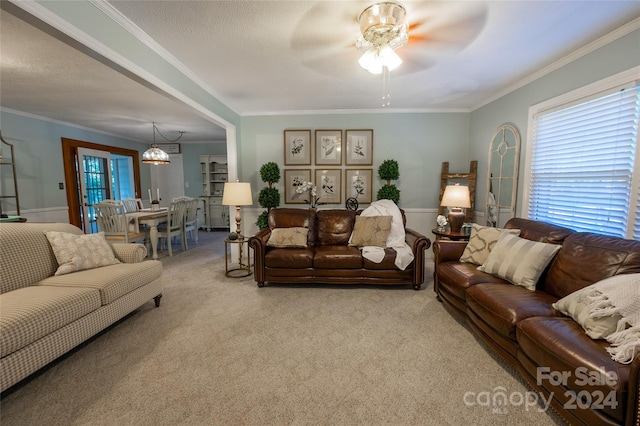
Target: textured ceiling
x=270 y=57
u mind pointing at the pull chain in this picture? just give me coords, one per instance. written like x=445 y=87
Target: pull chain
x=386 y=95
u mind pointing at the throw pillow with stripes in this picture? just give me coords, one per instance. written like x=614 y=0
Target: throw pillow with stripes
x=518 y=260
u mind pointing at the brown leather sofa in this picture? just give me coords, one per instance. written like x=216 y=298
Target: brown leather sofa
x=540 y=342
x=328 y=258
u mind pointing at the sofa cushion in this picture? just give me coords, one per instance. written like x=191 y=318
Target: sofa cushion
x=576 y=306
x=561 y=346
x=519 y=260
x=79 y=252
x=111 y=281
x=606 y=256
x=539 y=231
x=337 y=257
x=31 y=313
x=293 y=258
x=457 y=277
x=288 y=237
x=388 y=261
x=335 y=226
x=481 y=242
x=288 y=217
x=25 y=244
x=503 y=306
x=371 y=231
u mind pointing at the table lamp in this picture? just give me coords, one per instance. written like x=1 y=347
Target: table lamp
x=237 y=194
x=456 y=197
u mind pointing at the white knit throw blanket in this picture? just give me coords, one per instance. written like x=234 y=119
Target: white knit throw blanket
x=396 y=238
x=619 y=295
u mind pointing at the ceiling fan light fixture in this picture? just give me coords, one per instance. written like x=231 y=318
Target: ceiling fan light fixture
x=384 y=29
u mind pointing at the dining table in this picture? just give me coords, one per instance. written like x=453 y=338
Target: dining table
x=151 y=218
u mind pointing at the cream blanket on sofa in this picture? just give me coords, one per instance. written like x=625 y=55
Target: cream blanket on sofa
x=619 y=295
x=395 y=240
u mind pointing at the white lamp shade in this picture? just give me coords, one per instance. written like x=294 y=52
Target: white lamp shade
x=456 y=196
x=237 y=194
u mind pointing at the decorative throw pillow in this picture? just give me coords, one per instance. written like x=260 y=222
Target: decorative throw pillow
x=518 y=260
x=481 y=242
x=79 y=252
x=576 y=306
x=371 y=231
x=295 y=237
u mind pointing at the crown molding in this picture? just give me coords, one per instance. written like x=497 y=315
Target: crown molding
x=67 y=124
x=577 y=54
x=357 y=111
x=50 y=18
x=119 y=18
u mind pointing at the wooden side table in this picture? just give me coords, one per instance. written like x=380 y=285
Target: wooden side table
x=243 y=267
x=446 y=233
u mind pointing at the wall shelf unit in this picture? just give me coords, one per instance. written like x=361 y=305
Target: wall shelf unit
x=8 y=179
x=214 y=171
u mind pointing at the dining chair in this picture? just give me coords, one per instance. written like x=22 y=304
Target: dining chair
x=130 y=205
x=174 y=226
x=191 y=220
x=112 y=219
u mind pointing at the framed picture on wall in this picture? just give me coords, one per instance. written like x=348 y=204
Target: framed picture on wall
x=328 y=147
x=297 y=147
x=358 y=184
x=359 y=150
x=329 y=186
x=293 y=178
x=169 y=148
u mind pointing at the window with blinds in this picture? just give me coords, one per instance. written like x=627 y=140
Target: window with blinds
x=582 y=171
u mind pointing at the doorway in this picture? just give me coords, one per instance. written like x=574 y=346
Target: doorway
x=94 y=172
x=95 y=181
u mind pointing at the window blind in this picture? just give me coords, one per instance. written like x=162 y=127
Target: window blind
x=636 y=228
x=582 y=165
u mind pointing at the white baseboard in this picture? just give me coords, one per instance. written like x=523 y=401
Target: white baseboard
x=49 y=214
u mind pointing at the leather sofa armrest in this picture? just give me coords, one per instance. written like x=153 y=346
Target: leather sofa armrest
x=258 y=243
x=418 y=243
x=447 y=250
x=129 y=253
x=633 y=406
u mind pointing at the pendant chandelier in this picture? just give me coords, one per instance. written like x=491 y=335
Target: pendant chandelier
x=384 y=29
x=155 y=155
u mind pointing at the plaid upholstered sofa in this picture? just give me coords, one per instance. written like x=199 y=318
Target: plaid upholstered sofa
x=44 y=315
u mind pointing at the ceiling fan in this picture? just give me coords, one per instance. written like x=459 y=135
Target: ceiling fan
x=326 y=35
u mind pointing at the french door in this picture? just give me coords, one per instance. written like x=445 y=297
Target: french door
x=93 y=172
x=96 y=184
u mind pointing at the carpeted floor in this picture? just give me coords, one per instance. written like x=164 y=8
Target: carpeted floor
x=221 y=351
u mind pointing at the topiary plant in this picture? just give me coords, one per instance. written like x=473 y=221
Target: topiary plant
x=389 y=170
x=263 y=220
x=389 y=192
x=269 y=197
x=270 y=173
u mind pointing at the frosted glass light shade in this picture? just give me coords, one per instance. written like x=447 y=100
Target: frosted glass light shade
x=237 y=194
x=389 y=58
x=155 y=155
